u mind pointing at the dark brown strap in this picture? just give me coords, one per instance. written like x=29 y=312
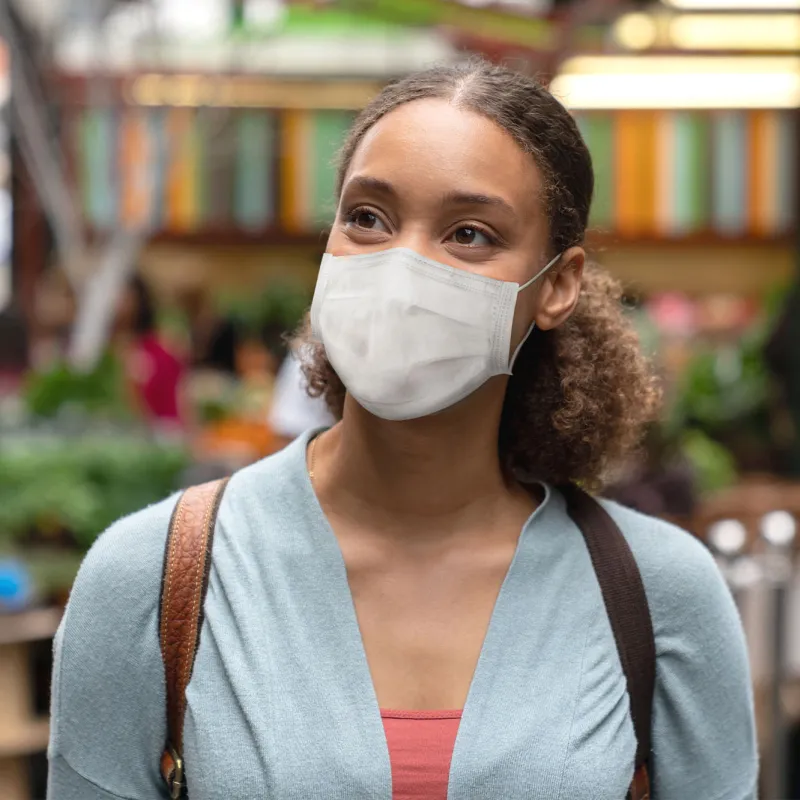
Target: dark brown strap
x=629 y=614
x=640 y=785
x=187 y=561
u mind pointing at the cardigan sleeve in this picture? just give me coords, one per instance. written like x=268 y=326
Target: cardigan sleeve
x=703 y=727
x=108 y=719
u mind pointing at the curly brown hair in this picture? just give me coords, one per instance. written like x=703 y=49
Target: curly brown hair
x=581 y=394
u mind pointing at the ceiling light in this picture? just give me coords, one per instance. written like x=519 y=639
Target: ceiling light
x=636 y=31
x=709 y=32
x=772 y=32
x=594 y=82
x=735 y=5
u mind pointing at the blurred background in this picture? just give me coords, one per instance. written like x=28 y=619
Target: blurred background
x=166 y=176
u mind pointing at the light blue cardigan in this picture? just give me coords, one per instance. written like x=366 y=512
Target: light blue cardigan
x=281 y=703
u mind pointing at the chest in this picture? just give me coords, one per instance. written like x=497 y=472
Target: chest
x=282 y=702
x=423 y=624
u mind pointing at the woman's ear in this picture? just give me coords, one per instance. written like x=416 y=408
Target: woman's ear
x=560 y=290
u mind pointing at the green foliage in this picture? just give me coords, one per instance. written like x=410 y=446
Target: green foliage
x=724 y=385
x=81 y=485
x=281 y=304
x=214 y=409
x=713 y=466
x=99 y=392
x=719 y=419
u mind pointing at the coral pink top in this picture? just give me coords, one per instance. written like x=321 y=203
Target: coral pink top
x=420 y=749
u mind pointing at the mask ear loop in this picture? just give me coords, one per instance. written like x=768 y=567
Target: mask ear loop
x=525 y=285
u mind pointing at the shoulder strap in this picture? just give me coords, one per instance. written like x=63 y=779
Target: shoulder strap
x=628 y=611
x=187 y=561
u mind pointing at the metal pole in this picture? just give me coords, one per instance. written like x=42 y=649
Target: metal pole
x=777 y=765
x=728 y=539
x=40 y=152
x=778 y=530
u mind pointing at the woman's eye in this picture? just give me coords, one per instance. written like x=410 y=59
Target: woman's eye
x=366 y=220
x=471 y=237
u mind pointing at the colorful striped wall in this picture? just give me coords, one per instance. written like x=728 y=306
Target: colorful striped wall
x=659 y=174
x=186 y=170
x=670 y=174
x=310 y=142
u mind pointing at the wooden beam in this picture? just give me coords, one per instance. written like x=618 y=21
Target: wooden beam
x=31 y=238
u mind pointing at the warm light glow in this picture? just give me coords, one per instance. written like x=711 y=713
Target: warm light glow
x=593 y=82
x=247 y=92
x=655 y=65
x=636 y=31
x=722 y=32
x=735 y=5
x=735 y=32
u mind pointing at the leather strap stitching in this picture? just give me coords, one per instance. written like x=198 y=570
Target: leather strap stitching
x=179 y=638
x=176 y=526
x=199 y=567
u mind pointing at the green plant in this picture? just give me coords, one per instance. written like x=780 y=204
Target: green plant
x=713 y=465
x=719 y=417
x=80 y=486
x=723 y=385
x=100 y=391
x=281 y=304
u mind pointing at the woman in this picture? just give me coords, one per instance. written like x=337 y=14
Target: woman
x=154 y=374
x=400 y=607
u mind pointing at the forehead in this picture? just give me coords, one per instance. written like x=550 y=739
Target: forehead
x=431 y=146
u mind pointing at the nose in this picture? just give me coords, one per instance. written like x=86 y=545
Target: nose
x=417 y=237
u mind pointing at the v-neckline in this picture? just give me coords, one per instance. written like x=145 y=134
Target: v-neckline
x=355 y=645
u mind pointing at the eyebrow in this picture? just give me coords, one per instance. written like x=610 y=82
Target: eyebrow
x=374 y=184
x=451 y=198
x=474 y=199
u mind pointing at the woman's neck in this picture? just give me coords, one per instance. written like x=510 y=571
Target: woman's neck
x=441 y=467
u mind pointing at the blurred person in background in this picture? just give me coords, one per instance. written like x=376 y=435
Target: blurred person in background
x=240 y=368
x=400 y=605
x=52 y=320
x=154 y=373
x=293 y=410
x=14 y=352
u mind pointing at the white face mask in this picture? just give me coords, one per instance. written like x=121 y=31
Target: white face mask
x=409 y=336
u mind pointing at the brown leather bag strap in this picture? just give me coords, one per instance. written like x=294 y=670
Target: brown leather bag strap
x=629 y=614
x=187 y=561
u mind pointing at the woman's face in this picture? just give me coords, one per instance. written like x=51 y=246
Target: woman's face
x=456 y=188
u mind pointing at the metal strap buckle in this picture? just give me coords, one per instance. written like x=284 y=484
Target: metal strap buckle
x=176 y=784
